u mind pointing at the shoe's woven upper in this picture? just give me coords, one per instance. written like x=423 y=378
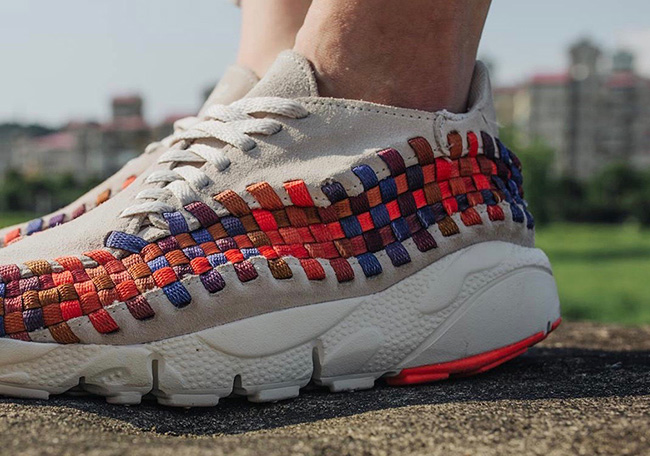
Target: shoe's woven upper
x=294 y=238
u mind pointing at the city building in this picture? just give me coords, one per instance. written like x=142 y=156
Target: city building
x=84 y=149
x=73 y=150
x=595 y=113
x=10 y=135
x=126 y=136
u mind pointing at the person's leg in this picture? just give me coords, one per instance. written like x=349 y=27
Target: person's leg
x=415 y=54
x=268 y=27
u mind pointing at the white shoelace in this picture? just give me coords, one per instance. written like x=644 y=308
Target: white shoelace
x=180 y=126
x=234 y=125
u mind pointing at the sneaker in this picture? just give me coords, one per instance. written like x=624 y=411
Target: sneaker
x=286 y=239
x=235 y=83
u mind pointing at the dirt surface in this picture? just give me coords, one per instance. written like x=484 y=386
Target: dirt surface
x=585 y=390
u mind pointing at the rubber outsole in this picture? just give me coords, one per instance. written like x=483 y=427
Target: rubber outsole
x=469 y=366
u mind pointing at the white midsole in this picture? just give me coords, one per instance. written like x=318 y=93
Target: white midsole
x=478 y=299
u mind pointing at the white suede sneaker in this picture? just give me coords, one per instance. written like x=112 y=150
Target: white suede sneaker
x=235 y=83
x=287 y=238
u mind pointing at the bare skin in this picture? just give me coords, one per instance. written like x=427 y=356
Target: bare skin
x=268 y=28
x=416 y=54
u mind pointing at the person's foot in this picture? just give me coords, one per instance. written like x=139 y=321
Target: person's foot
x=235 y=83
x=289 y=238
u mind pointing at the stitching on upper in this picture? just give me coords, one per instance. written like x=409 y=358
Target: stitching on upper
x=359 y=108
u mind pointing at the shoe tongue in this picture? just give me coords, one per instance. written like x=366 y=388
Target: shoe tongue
x=236 y=82
x=291 y=76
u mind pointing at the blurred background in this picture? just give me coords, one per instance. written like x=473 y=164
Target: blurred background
x=85 y=86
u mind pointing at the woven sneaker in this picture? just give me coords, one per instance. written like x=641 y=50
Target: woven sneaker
x=235 y=83
x=287 y=238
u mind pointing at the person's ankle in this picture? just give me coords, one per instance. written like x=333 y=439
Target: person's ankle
x=405 y=87
x=257 y=62
x=407 y=54
x=268 y=28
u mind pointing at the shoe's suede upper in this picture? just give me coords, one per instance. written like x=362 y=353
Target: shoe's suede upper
x=235 y=83
x=344 y=202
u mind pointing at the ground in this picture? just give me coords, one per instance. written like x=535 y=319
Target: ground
x=585 y=390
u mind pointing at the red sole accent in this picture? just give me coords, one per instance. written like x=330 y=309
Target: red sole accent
x=468 y=366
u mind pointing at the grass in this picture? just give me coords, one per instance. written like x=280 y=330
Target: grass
x=11 y=218
x=602 y=271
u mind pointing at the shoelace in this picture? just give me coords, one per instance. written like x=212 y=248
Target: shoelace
x=233 y=125
x=180 y=126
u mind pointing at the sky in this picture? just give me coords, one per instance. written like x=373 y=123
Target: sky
x=63 y=60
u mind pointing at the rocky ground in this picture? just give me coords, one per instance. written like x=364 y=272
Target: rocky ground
x=585 y=390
